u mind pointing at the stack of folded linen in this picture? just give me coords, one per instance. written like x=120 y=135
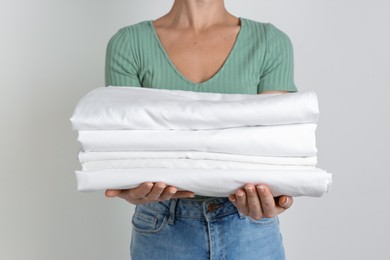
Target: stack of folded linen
x=208 y=143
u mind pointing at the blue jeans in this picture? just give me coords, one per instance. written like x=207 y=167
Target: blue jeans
x=202 y=229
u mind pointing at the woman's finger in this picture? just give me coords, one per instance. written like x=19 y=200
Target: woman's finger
x=233 y=198
x=138 y=193
x=267 y=201
x=168 y=193
x=156 y=191
x=241 y=202
x=285 y=202
x=112 y=193
x=255 y=208
x=184 y=194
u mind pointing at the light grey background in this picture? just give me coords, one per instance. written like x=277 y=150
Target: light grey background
x=52 y=52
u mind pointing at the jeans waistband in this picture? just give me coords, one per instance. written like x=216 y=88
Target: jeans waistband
x=206 y=209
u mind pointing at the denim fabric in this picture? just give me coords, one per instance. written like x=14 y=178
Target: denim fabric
x=199 y=229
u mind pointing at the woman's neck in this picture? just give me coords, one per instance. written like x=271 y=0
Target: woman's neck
x=197 y=15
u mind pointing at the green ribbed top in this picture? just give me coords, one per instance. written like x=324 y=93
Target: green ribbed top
x=261 y=59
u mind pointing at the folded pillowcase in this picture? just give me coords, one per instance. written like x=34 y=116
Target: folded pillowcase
x=109 y=108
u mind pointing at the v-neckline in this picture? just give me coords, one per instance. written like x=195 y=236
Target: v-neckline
x=176 y=70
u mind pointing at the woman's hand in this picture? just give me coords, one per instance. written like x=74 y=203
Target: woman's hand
x=257 y=202
x=149 y=192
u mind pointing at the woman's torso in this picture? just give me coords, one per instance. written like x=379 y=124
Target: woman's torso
x=137 y=57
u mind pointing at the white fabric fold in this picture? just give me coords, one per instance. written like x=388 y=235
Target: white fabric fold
x=108 y=108
x=184 y=164
x=210 y=182
x=196 y=155
x=283 y=140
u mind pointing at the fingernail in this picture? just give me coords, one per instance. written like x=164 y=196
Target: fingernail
x=285 y=202
x=192 y=195
x=172 y=191
x=261 y=188
x=161 y=186
x=249 y=188
x=149 y=185
x=240 y=194
x=232 y=199
x=109 y=194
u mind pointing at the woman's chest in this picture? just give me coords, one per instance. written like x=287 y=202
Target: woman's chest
x=231 y=64
x=198 y=57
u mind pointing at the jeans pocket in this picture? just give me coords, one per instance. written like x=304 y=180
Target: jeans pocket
x=264 y=221
x=148 y=221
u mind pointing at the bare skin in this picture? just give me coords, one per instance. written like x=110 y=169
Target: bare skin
x=203 y=32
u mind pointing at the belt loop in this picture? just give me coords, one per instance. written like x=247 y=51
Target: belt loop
x=172 y=212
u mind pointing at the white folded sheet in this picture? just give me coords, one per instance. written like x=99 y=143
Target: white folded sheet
x=208 y=143
x=283 y=140
x=210 y=182
x=107 y=108
x=196 y=155
x=184 y=164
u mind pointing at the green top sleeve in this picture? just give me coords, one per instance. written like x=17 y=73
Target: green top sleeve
x=121 y=66
x=278 y=72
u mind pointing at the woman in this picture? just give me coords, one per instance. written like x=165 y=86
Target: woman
x=199 y=46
